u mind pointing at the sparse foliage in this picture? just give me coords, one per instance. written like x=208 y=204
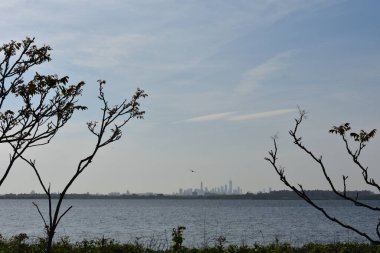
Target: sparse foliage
x=177 y=238
x=113 y=119
x=31 y=112
x=343 y=131
x=219 y=243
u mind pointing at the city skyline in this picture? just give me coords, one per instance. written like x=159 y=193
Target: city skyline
x=223 y=189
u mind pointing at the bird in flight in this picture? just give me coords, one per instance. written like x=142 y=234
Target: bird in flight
x=192 y=170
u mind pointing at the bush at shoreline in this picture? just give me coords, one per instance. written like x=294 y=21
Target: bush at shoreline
x=20 y=244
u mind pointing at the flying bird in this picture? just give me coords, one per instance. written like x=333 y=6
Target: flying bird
x=192 y=170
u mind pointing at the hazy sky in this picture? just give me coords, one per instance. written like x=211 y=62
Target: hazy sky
x=222 y=77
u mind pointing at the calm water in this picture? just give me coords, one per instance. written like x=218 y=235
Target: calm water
x=151 y=221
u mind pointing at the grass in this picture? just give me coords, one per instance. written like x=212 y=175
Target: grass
x=20 y=244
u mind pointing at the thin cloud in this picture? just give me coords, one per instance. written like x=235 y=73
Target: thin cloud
x=256 y=76
x=103 y=51
x=260 y=115
x=232 y=116
x=211 y=117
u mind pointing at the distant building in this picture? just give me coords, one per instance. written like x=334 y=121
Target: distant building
x=203 y=190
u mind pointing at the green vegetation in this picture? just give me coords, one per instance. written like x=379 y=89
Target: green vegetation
x=177 y=238
x=19 y=244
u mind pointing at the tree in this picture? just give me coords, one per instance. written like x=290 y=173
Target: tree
x=361 y=139
x=113 y=119
x=31 y=112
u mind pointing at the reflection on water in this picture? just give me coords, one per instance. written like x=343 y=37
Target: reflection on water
x=240 y=221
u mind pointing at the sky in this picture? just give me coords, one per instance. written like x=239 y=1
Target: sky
x=222 y=78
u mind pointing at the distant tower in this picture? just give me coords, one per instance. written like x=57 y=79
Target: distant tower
x=230 y=187
x=201 y=187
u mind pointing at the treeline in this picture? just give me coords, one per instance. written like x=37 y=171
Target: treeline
x=273 y=195
x=314 y=194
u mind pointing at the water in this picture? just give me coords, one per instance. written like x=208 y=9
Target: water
x=151 y=221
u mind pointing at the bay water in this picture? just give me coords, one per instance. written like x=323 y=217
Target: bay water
x=150 y=221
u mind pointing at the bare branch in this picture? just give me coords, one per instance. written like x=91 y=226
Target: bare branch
x=63 y=214
x=42 y=216
x=340 y=130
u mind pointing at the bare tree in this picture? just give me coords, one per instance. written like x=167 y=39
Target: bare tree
x=31 y=112
x=113 y=119
x=361 y=139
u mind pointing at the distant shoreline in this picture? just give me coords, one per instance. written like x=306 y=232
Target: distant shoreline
x=273 y=195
